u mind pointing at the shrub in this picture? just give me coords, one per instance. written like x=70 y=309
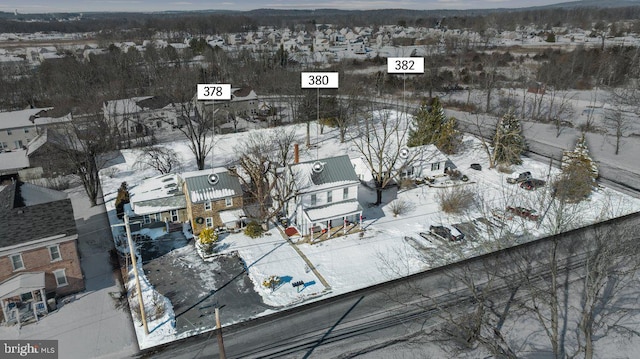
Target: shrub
x=207 y=240
x=398 y=207
x=253 y=230
x=407 y=183
x=122 y=199
x=456 y=199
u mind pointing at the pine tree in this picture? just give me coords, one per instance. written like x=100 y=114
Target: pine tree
x=121 y=199
x=508 y=141
x=579 y=174
x=431 y=126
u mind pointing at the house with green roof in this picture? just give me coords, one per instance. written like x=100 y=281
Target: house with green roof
x=326 y=195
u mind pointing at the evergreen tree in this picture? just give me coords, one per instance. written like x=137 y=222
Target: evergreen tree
x=508 y=141
x=579 y=174
x=121 y=199
x=431 y=126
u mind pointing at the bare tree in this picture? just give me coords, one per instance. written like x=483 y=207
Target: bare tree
x=381 y=139
x=260 y=172
x=162 y=159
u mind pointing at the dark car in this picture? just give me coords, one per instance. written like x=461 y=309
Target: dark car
x=524 y=213
x=476 y=166
x=532 y=184
x=446 y=233
x=521 y=177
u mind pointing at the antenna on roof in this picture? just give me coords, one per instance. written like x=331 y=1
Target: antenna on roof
x=318 y=80
x=213 y=92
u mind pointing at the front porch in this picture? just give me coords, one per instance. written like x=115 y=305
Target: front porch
x=24 y=298
x=325 y=222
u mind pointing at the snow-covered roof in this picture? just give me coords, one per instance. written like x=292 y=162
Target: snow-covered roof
x=336 y=172
x=333 y=210
x=424 y=155
x=18 y=119
x=33 y=195
x=124 y=106
x=231 y=215
x=200 y=190
x=14 y=160
x=21 y=283
x=157 y=194
x=43 y=121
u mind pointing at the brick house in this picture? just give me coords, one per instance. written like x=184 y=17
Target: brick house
x=213 y=205
x=39 y=257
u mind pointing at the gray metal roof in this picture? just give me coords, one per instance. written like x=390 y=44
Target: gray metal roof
x=336 y=169
x=227 y=186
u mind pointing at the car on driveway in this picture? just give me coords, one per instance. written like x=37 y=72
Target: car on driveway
x=476 y=166
x=532 y=184
x=524 y=212
x=449 y=234
x=521 y=178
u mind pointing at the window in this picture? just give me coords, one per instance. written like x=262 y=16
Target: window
x=147 y=219
x=209 y=221
x=435 y=166
x=329 y=196
x=207 y=206
x=61 y=278
x=159 y=124
x=9 y=132
x=25 y=297
x=16 y=262
x=345 y=193
x=54 y=252
x=174 y=215
x=314 y=199
x=3 y=145
x=18 y=143
x=228 y=201
x=26 y=130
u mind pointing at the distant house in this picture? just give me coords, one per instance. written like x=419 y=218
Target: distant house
x=213 y=205
x=324 y=199
x=17 y=128
x=422 y=161
x=38 y=250
x=140 y=116
x=244 y=103
x=159 y=200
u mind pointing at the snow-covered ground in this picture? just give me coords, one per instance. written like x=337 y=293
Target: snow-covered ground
x=391 y=246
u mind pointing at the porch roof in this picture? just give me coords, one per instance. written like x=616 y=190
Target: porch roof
x=21 y=283
x=333 y=210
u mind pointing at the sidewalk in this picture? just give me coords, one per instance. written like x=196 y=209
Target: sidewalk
x=89 y=325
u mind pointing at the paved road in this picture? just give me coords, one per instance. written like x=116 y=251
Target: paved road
x=364 y=320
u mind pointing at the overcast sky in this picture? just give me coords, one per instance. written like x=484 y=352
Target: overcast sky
x=44 y=6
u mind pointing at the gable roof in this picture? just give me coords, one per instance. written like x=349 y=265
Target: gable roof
x=45 y=215
x=337 y=171
x=19 y=119
x=155 y=102
x=157 y=194
x=13 y=161
x=200 y=190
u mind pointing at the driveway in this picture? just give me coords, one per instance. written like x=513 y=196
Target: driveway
x=195 y=287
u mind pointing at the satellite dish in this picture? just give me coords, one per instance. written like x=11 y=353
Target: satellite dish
x=404 y=153
x=213 y=179
x=317 y=167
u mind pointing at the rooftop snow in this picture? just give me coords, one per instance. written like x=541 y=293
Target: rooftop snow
x=17 y=119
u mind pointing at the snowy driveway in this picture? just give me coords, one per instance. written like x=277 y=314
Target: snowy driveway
x=196 y=287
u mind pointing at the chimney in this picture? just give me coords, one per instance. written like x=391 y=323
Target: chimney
x=296 y=153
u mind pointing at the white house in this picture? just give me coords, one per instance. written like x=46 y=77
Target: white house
x=138 y=116
x=326 y=198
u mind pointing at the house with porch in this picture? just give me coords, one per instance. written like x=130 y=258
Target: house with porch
x=39 y=257
x=159 y=201
x=213 y=203
x=326 y=196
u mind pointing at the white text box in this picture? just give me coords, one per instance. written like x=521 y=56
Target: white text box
x=214 y=91
x=322 y=80
x=405 y=65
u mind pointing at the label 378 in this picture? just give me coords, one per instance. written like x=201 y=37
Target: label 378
x=214 y=91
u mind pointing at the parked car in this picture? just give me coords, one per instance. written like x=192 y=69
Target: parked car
x=476 y=166
x=532 y=184
x=521 y=177
x=446 y=233
x=502 y=214
x=524 y=212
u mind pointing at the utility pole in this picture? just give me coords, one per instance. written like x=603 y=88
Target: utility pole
x=219 y=329
x=143 y=316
